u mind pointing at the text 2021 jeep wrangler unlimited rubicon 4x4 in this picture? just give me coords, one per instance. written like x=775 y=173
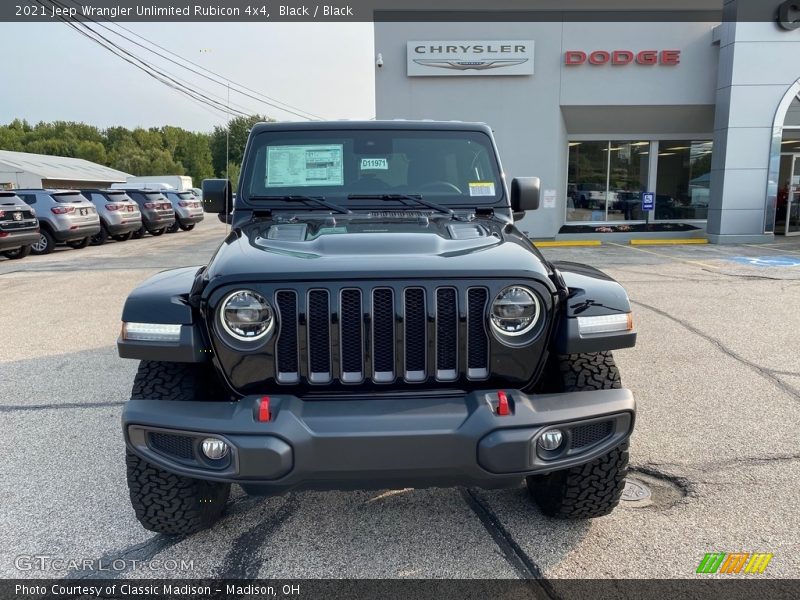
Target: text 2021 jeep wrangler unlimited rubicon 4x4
x=374 y=320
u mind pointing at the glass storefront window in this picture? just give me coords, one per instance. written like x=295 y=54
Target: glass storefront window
x=628 y=174
x=683 y=179
x=606 y=180
x=588 y=181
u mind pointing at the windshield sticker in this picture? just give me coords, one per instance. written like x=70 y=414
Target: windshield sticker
x=299 y=166
x=481 y=188
x=374 y=164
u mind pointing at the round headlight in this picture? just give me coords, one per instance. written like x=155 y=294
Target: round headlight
x=246 y=316
x=515 y=311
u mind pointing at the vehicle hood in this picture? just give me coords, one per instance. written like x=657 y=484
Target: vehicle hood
x=367 y=248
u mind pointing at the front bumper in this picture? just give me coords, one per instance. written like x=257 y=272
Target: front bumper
x=378 y=443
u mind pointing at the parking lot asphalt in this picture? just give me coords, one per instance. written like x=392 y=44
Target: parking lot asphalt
x=716 y=374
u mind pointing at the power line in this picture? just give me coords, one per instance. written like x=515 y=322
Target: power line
x=181 y=86
x=253 y=94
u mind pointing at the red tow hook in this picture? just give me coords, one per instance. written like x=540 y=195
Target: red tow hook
x=263 y=409
x=503 y=409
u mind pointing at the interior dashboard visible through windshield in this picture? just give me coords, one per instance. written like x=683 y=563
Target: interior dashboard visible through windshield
x=453 y=168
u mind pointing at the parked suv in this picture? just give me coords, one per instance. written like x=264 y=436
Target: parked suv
x=19 y=227
x=188 y=210
x=374 y=320
x=64 y=216
x=156 y=209
x=119 y=215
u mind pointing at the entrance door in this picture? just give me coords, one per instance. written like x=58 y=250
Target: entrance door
x=787 y=211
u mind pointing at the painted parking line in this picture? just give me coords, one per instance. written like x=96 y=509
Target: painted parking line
x=664 y=255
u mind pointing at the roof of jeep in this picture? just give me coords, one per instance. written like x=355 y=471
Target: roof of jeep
x=359 y=125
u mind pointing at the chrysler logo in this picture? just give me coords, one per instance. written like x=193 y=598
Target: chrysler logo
x=468 y=65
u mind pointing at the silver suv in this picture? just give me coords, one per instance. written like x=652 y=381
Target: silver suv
x=157 y=212
x=64 y=216
x=188 y=210
x=119 y=215
x=18 y=226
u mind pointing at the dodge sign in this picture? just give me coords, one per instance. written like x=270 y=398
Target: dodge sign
x=465 y=58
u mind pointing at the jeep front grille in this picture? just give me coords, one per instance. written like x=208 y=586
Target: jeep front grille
x=381 y=334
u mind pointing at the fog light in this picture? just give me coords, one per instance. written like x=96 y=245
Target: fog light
x=214 y=448
x=551 y=439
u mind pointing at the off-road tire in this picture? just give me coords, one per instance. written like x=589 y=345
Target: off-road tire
x=123 y=237
x=17 y=253
x=165 y=502
x=592 y=489
x=79 y=244
x=583 y=492
x=173 y=504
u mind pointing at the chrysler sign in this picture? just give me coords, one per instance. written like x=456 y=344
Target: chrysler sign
x=466 y=58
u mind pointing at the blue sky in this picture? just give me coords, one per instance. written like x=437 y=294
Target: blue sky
x=50 y=72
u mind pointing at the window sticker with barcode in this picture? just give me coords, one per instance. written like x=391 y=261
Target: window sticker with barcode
x=481 y=188
x=300 y=166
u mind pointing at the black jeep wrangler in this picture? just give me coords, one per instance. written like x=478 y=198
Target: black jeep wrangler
x=374 y=320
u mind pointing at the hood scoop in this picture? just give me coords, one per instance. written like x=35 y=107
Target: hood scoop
x=468 y=231
x=288 y=232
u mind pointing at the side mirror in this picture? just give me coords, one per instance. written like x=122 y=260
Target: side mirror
x=524 y=195
x=217 y=196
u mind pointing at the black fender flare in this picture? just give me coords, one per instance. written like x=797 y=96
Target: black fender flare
x=590 y=293
x=164 y=298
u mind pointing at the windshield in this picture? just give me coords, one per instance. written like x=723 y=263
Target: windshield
x=454 y=168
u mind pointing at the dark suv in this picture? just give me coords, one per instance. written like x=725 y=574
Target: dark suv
x=374 y=319
x=157 y=212
x=119 y=215
x=19 y=228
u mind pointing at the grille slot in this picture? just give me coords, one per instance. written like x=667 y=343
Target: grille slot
x=319 y=338
x=477 y=340
x=383 y=335
x=352 y=346
x=179 y=446
x=446 y=334
x=286 y=348
x=415 y=334
x=588 y=435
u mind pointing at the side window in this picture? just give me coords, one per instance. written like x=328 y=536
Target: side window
x=28 y=198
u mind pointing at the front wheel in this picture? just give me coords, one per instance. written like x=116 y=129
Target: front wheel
x=165 y=502
x=173 y=504
x=79 y=244
x=101 y=238
x=595 y=488
x=45 y=244
x=17 y=253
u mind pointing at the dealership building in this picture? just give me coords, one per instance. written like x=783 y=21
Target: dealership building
x=644 y=128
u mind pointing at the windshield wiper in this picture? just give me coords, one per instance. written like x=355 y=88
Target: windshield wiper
x=296 y=198
x=417 y=199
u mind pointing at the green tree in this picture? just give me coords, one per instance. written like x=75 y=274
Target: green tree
x=223 y=152
x=234 y=170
